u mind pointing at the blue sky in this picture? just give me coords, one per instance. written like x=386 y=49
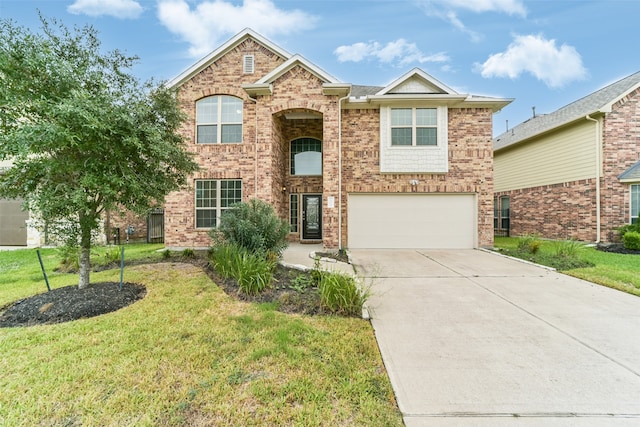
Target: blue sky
x=543 y=53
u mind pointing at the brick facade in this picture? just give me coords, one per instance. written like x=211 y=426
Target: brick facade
x=261 y=161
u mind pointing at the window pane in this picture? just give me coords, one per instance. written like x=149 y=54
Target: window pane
x=205 y=218
x=306 y=156
x=293 y=213
x=426 y=136
x=230 y=192
x=207 y=110
x=205 y=194
x=231 y=133
x=426 y=117
x=231 y=110
x=401 y=117
x=207 y=134
x=401 y=136
x=635 y=202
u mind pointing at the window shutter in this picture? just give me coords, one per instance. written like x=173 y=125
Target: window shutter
x=248 y=64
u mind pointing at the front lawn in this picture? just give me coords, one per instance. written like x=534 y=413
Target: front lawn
x=618 y=271
x=186 y=354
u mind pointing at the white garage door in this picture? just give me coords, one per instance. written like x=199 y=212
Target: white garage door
x=437 y=221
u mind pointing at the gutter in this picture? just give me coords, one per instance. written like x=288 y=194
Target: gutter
x=597 y=140
x=340 y=168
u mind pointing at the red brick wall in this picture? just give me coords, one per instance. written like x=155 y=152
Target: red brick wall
x=561 y=211
x=470 y=163
x=621 y=133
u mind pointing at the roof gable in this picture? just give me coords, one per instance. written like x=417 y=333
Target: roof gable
x=600 y=101
x=632 y=174
x=416 y=81
x=294 y=61
x=224 y=49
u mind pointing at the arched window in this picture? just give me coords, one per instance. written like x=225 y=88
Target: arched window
x=219 y=120
x=306 y=156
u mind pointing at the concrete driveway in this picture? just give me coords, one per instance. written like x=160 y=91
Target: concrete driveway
x=471 y=338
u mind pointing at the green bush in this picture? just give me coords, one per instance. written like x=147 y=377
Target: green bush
x=112 y=255
x=567 y=248
x=68 y=255
x=255 y=226
x=628 y=228
x=631 y=240
x=529 y=243
x=252 y=271
x=340 y=294
x=188 y=253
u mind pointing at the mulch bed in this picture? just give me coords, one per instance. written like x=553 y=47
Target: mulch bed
x=617 y=248
x=71 y=303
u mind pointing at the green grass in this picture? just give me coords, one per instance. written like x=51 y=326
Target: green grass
x=186 y=354
x=618 y=271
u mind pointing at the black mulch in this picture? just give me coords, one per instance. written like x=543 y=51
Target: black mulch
x=617 y=248
x=70 y=303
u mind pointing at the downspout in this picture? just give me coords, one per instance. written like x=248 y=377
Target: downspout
x=255 y=171
x=597 y=139
x=340 y=169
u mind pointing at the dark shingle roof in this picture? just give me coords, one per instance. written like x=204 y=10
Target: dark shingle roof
x=357 y=91
x=589 y=104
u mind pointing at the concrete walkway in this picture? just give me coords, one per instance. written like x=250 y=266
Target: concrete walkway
x=471 y=338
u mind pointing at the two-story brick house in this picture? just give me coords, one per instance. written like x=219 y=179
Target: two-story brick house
x=575 y=172
x=402 y=166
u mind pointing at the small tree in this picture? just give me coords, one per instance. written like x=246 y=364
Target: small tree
x=255 y=226
x=83 y=134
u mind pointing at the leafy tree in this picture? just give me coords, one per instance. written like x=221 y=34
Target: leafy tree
x=84 y=135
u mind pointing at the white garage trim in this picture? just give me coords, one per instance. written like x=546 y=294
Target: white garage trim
x=13 y=227
x=398 y=221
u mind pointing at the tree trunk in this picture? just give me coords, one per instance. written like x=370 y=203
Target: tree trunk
x=85 y=253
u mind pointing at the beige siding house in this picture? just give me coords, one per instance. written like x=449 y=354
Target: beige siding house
x=574 y=173
x=401 y=166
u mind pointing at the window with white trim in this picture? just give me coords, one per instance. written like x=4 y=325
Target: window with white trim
x=219 y=120
x=293 y=213
x=414 y=127
x=306 y=156
x=635 y=203
x=213 y=197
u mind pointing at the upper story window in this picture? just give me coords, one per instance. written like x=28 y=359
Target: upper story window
x=414 y=126
x=219 y=120
x=635 y=203
x=306 y=156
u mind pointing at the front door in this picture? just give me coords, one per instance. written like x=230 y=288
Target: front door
x=312 y=217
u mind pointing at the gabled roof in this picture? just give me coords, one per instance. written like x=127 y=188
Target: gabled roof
x=416 y=85
x=599 y=102
x=416 y=81
x=330 y=83
x=222 y=50
x=631 y=175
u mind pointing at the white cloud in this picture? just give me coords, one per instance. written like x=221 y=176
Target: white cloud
x=447 y=10
x=124 y=9
x=204 y=26
x=399 y=52
x=555 y=66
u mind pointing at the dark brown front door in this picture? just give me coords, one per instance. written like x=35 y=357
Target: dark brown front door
x=312 y=217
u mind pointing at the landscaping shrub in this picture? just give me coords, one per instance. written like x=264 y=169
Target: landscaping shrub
x=529 y=243
x=567 y=248
x=628 y=228
x=340 y=294
x=252 y=271
x=631 y=240
x=254 y=226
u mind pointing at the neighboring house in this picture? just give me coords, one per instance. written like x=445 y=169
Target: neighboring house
x=403 y=166
x=13 y=219
x=574 y=173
